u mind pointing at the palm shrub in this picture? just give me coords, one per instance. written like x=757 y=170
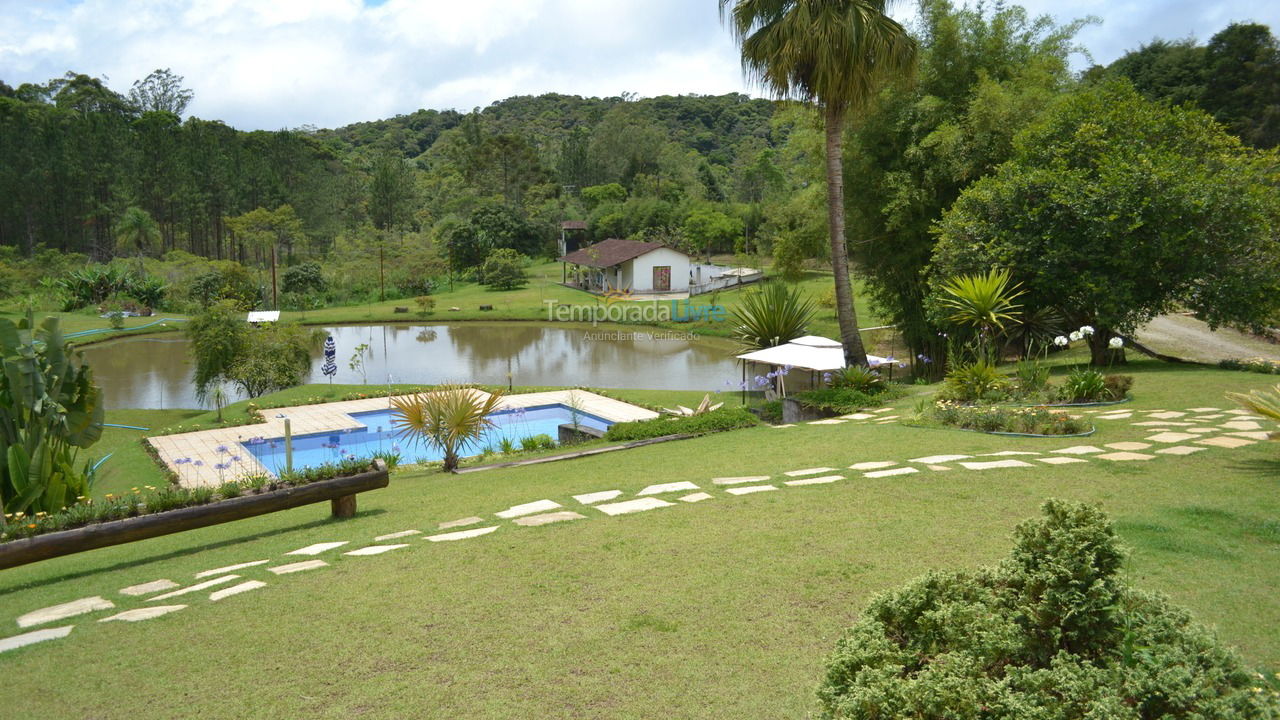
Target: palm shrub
x=856 y=377
x=774 y=315
x=1051 y=632
x=50 y=408
x=451 y=418
x=983 y=303
x=1261 y=402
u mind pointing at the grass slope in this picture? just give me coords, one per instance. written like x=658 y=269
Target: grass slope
x=720 y=609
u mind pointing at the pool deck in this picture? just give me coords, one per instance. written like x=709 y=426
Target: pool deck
x=202 y=446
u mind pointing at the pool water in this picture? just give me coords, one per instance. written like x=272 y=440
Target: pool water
x=379 y=436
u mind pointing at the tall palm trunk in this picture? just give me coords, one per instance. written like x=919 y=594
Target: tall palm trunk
x=854 y=353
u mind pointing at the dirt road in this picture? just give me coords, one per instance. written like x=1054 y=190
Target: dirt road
x=1186 y=337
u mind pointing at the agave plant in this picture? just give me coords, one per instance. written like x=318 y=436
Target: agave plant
x=777 y=314
x=451 y=418
x=705 y=406
x=49 y=410
x=1262 y=402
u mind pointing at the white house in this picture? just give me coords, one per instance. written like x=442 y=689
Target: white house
x=627 y=266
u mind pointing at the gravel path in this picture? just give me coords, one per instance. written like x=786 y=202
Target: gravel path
x=1186 y=337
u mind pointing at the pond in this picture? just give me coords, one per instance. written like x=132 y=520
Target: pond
x=155 y=371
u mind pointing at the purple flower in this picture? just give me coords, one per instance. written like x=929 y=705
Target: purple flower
x=235 y=458
x=762 y=381
x=826 y=377
x=198 y=463
x=222 y=449
x=785 y=369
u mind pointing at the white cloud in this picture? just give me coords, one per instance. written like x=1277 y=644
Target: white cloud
x=285 y=63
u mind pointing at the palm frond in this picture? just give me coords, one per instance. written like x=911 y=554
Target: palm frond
x=1261 y=402
x=774 y=315
x=451 y=418
x=981 y=301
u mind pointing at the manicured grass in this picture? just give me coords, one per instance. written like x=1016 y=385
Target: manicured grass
x=720 y=609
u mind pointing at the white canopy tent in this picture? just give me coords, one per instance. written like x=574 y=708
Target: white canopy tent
x=811 y=352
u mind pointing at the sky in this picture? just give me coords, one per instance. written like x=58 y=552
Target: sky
x=271 y=64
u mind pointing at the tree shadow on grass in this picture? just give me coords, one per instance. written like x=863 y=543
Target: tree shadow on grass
x=139 y=562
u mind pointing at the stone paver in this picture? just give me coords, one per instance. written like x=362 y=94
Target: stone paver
x=1062 y=460
x=64 y=611
x=548 y=518
x=695 y=497
x=828 y=421
x=783 y=426
x=857 y=416
x=825 y=479
x=236 y=589
x=1180 y=450
x=229 y=569
x=938 y=468
x=891 y=472
x=667 y=488
x=995 y=464
x=537 y=506
x=1078 y=450
x=873 y=465
x=195 y=588
x=140 y=614
x=461 y=534
x=1251 y=434
x=595 y=497
x=887 y=419
x=1225 y=442
x=16 y=641
x=1202 y=430
x=1125 y=456
x=1204 y=409
x=1241 y=425
x=149 y=587
x=397 y=535
x=375 y=549
x=1004 y=453
x=808 y=471
x=740 y=480
x=297 y=567
x=462 y=522
x=1162 y=423
x=1171 y=437
x=317 y=548
x=1167 y=414
x=935 y=459
x=1114 y=416
x=1128 y=445
x=749 y=489
x=1239 y=411
x=633 y=506
x=1206 y=418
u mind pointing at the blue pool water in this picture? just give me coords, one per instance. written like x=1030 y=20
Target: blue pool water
x=378 y=435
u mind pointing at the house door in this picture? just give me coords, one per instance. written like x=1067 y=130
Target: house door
x=662 y=277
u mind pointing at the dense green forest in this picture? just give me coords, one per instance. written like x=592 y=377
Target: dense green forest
x=190 y=210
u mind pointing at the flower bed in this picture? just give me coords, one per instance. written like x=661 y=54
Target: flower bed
x=1038 y=420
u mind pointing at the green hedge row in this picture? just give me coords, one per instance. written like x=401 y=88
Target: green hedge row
x=714 y=421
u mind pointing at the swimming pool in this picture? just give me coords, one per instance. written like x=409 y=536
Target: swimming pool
x=379 y=436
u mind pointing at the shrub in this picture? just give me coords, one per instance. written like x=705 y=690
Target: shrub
x=1116 y=387
x=529 y=444
x=303 y=278
x=771 y=412
x=1084 y=385
x=842 y=401
x=978 y=380
x=426 y=304
x=856 y=377
x=1032 y=377
x=231 y=281
x=714 y=421
x=1257 y=365
x=995 y=418
x=503 y=269
x=1051 y=632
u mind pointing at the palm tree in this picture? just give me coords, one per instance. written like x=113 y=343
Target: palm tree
x=983 y=302
x=838 y=54
x=451 y=419
x=137 y=232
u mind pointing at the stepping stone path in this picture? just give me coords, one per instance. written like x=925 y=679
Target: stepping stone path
x=1251 y=435
x=16 y=641
x=740 y=480
x=64 y=611
x=460 y=523
x=996 y=464
x=595 y=497
x=1180 y=450
x=668 y=487
x=237 y=589
x=828 y=421
x=808 y=471
x=1171 y=437
x=1128 y=446
x=397 y=535
x=935 y=459
x=1126 y=456
x=537 y=506
x=889 y=473
x=1004 y=453
x=297 y=567
x=548 y=518
x=1078 y=450
x=145 y=613
x=317 y=548
x=1242 y=425
x=374 y=550
x=825 y=479
x=195 y=588
x=462 y=534
x=696 y=497
x=229 y=568
x=633 y=506
x=1225 y=442
x=749 y=489
x=857 y=416
x=149 y=587
x=875 y=465
x=1062 y=460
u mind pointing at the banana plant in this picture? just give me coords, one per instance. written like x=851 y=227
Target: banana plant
x=50 y=409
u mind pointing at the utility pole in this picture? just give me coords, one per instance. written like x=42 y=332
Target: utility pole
x=275 y=303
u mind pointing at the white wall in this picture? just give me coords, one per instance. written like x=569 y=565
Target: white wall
x=637 y=274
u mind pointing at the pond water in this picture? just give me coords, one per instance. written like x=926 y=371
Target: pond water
x=155 y=372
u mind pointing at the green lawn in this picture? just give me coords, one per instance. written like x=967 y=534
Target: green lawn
x=724 y=608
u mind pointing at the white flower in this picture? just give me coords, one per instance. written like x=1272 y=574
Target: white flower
x=1086 y=330
x=1115 y=343
x=1060 y=341
x=1076 y=336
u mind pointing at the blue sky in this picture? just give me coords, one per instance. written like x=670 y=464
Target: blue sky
x=287 y=63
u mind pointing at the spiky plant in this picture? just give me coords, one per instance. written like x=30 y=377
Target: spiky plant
x=1261 y=402
x=451 y=418
x=774 y=315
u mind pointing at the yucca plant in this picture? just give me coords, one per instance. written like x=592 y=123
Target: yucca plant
x=981 y=302
x=771 y=316
x=451 y=418
x=1262 y=402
